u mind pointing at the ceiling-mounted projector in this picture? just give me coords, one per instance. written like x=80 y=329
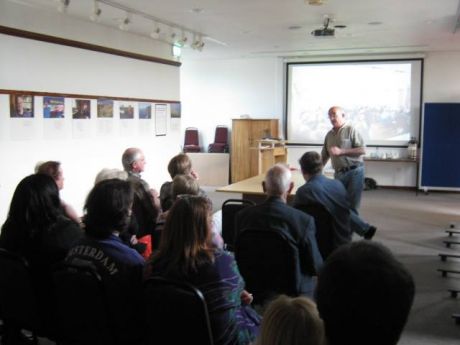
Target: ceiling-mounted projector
x=325 y=31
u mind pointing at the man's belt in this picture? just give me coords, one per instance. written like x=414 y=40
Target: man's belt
x=348 y=168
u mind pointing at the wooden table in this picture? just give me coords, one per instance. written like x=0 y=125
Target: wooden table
x=251 y=188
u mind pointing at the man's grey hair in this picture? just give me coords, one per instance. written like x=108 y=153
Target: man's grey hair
x=129 y=157
x=277 y=180
x=107 y=174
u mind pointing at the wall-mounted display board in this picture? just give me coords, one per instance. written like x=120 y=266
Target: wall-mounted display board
x=441 y=140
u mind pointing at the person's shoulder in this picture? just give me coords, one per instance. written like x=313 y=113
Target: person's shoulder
x=221 y=254
x=121 y=252
x=224 y=261
x=335 y=183
x=293 y=212
x=244 y=212
x=166 y=185
x=306 y=186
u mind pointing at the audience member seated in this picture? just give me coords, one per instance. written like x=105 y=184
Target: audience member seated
x=54 y=169
x=146 y=205
x=333 y=196
x=186 y=254
x=186 y=184
x=108 y=174
x=107 y=214
x=274 y=213
x=180 y=164
x=364 y=295
x=37 y=229
x=129 y=236
x=293 y=321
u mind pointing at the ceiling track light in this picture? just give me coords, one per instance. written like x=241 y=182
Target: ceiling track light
x=160 y=25
x=183 y=40
x=198 y=43
x=125 y=22
x=63 y=5
x=155 y=34
x=96 y=14
x=173 y=38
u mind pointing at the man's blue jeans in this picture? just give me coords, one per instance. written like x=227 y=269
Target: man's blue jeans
x=353 y=180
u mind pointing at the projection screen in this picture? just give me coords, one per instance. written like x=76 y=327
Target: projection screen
x=380 y=98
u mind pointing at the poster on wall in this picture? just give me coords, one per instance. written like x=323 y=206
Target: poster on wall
x=81 y=109
x=127 y=127
x=22 y=106
x=105 y=119
x=104 y=108
x=126 y=110
x=160 y=119
x=81 y=113
x=145 y=124
x=145 y=110
x=55 y=129
x=175 y=110
x=53 y=107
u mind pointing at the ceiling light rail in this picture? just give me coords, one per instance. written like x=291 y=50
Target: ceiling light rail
x=157 y=22
x=159 y=25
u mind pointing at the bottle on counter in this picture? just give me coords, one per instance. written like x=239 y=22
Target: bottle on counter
x=412 y=148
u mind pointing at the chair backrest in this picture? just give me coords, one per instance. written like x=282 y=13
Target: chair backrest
x=176 y=313
x=191 y=136
x=324 y=227
x=82 y=315
x=269 y=263
x=18 y=300
x=221 y=135
x=229 y=210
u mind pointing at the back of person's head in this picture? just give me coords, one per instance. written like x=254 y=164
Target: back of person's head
x=108 y=174
x=364 y=295
x=50 y=168
x=311 y=163
x=184 y=184
x=293 y=321
x=277 y=180
x=35 y=204
x=108 y=208
x=186 y=235
x=179 y=164
x=130 y=156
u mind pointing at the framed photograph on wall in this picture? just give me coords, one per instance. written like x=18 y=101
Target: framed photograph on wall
x=175 y=110
x=126 y=110
x=21 y=106
x=145 y=110
x=53 y=107
x=81 y=109
x=105 y=108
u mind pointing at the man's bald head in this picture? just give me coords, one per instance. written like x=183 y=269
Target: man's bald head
x=278 y=181
x=336 y=116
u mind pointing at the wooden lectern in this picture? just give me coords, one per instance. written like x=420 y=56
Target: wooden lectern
x=245 y=136
x=267 y=153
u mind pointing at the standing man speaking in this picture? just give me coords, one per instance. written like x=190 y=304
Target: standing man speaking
x=345 y=147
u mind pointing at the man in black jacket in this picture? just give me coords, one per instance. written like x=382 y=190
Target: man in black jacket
x=274 y=213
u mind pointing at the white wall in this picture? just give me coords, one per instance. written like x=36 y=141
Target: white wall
x=47 y=20
x=442 y=77
x=82 y=147
x=214 y=92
